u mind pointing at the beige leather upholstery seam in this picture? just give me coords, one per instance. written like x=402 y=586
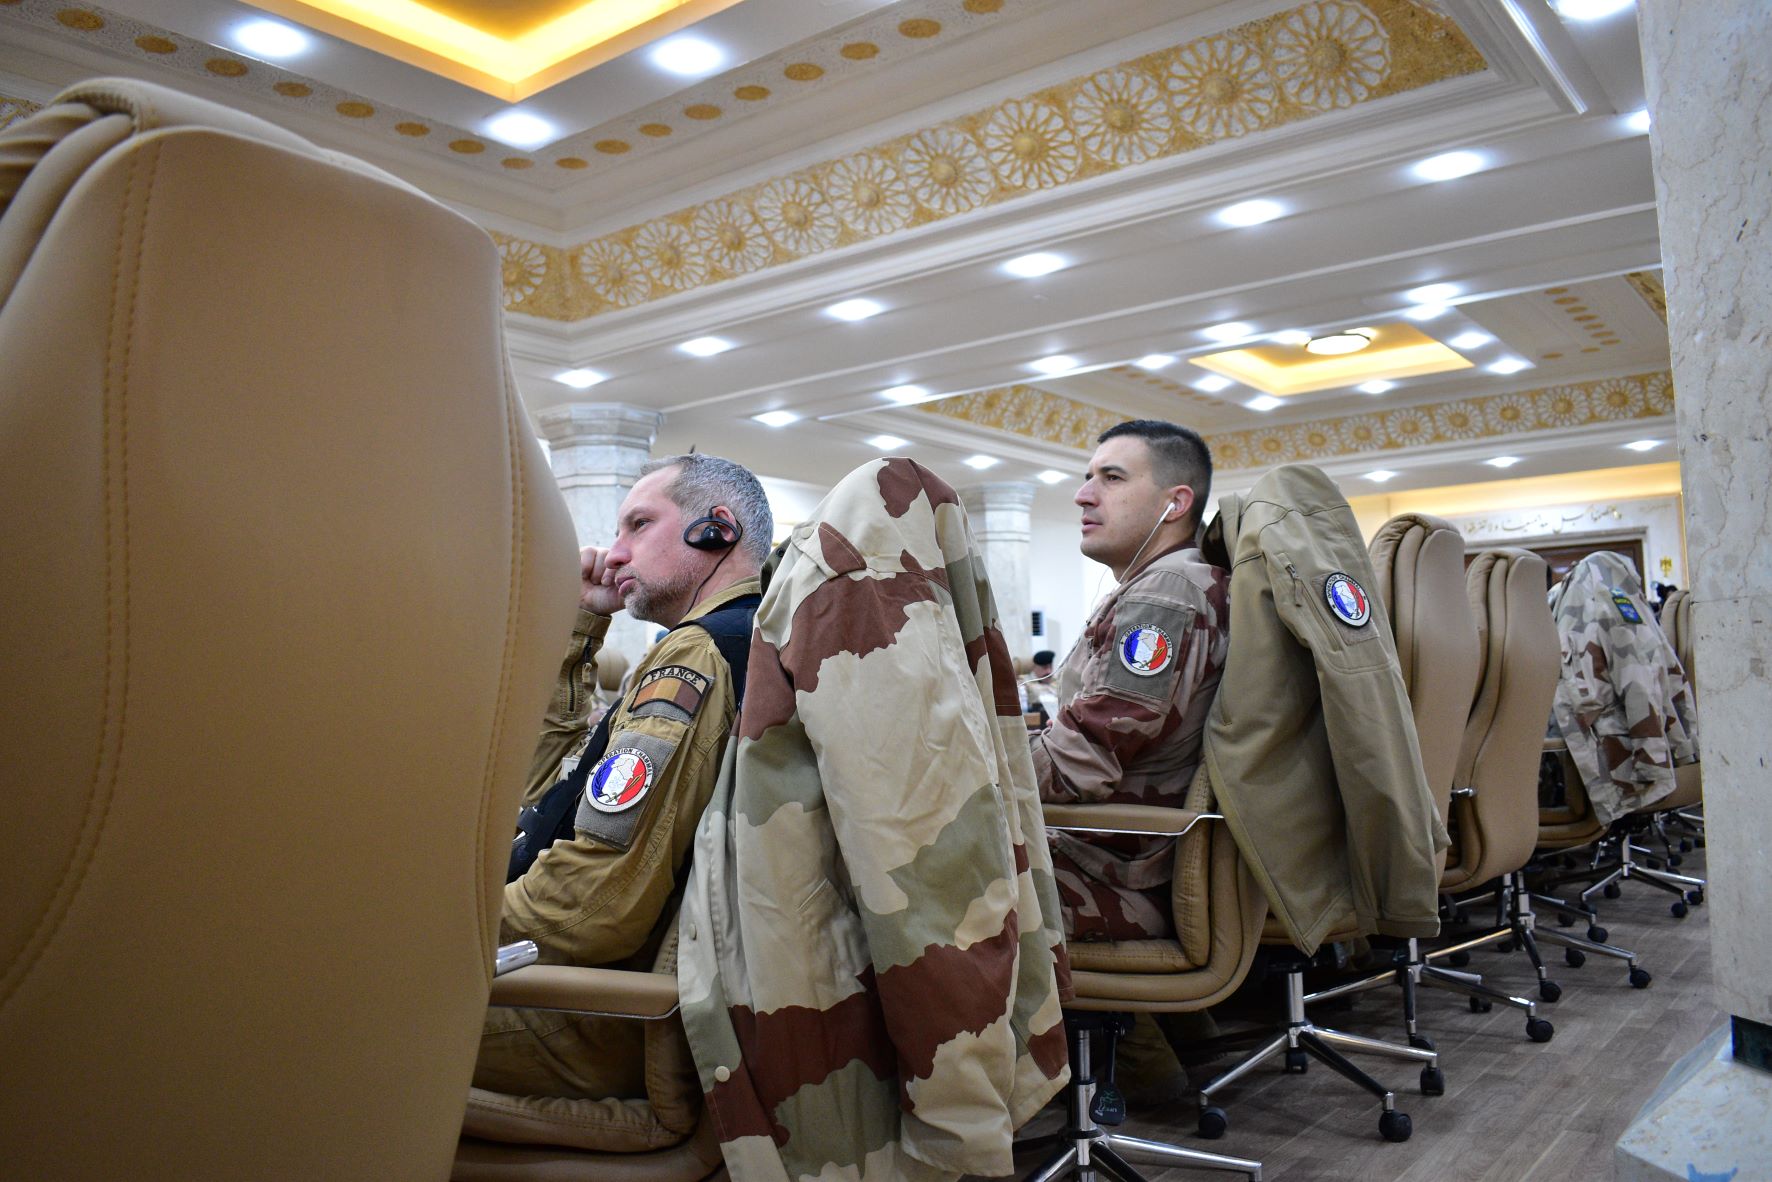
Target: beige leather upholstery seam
x=102 y=792
x=531 y=1115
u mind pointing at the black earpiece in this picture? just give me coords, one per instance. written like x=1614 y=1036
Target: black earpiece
x=712 y=533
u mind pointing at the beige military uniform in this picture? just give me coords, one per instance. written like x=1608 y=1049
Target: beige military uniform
x=599 y=898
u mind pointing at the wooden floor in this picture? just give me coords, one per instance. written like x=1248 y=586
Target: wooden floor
x=1513 y=1110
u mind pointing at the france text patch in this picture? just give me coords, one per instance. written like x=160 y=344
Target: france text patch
x=1347 y=599
x=1146 y=650
x=674 y=690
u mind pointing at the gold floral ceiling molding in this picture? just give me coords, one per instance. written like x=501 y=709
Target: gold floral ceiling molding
x=876 y=42
x=1294 y=65
x=1648 y=285
x=1049 y=418
x=13 y=109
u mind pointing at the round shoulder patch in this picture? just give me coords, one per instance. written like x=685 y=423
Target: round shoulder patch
x=620 y=780
x=1348 y=600
x=1145 y=649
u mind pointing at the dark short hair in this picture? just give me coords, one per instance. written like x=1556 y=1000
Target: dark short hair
x=1178 y=456
x=1044 y=657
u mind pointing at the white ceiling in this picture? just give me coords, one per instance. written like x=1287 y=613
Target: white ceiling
x=1567 y=201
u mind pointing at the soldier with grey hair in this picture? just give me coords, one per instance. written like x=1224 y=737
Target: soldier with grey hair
x=690 y=539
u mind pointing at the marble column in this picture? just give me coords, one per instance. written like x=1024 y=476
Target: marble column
x=597 y=450
x=1708 y=69
x=1001 y=515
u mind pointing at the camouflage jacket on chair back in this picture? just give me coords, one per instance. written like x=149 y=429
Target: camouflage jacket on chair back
x=871 y=964
x=1622 y=704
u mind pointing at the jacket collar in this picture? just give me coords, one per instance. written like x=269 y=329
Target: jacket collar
x=750 y=586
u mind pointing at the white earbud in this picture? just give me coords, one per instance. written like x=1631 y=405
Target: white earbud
x=1167 y=510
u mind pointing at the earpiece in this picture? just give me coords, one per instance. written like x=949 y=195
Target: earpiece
x=712 y=533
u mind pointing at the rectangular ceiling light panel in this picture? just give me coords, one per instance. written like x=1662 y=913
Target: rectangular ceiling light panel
x=1396 y=351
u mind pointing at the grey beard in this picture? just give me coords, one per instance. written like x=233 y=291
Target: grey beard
x=645 y=603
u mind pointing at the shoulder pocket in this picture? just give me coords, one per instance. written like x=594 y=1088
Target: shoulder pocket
x=1148 y=642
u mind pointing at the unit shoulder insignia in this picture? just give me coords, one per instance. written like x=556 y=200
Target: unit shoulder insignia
x=1145 y=649
x=1626 y=608
x=1347 y=599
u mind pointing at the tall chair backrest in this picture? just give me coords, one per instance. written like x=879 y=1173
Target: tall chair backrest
x=1419 y=561
x=285 y=579
x=1676 y=621
x=1496 y=822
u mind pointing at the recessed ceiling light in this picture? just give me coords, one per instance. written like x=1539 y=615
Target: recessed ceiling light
x=1251 y=213
x=1376 y=387
x=1643 y=445
x=1427 y=311
x=1052 y=476
x=1233 y=330
x=1213 y=383
x=776 y=418
x=520 y=129
x=1381 y=475
x=1263 y=403
x=981 y=462
x=887 y=442
x=1509 y=365
x=905 y=395
x=705 y=346
x=1335 y=344
x=853 y=310
x=1032 y=266
x=1290 y=336
x=1502 y=461
x=1638 y=121
x=688 y=56
x=1433 y=293
x=1449 y=166
x=580 y=379
x=1058 y=363
x=1154 y=361
x=270 y=39
x=1590 y=10
x=1470 y=340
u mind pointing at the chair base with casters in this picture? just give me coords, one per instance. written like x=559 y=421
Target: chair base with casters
x=1577 y=949
x=1084 y=1147
x=1303 y=1040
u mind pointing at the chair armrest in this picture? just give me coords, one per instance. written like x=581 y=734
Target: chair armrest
x=512 y=957
x=1553 y=744
x=1152 y=820
x=613 y=993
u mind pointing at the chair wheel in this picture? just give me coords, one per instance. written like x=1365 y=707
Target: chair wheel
x=1695 y=897
x=1640 y=978
x=1677 y=910
x=1549 y=990
x=1655 y=863
x=1597 y=934
x=1481 y=1005
x=1460 y=916
x=1539 y=1029
x=1685 y=845
x=1612 y=891
x=1421 y=1042
x=1674 y=860
x=1505 y=946
x=1213 y=1123
x=1574 y=957
x=1564 y=919
x=1297 y=1062
x=1109 y=1107
x=1459 y=959
x=1433 y=1081
x=1395 y=1126
x=1699 y=842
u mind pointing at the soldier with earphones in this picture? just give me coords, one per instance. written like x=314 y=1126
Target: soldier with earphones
x=1134 y=690
x=610 y=812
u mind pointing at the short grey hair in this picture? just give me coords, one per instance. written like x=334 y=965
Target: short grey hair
x=704 y=481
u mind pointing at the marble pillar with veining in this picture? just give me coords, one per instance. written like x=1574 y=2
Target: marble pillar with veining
x=597 y=450
x=1708 y=69
x=1001 y=513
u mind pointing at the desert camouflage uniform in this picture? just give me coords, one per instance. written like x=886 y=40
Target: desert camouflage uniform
x=871 y=965
x=1128 y=732
x=597 y=899
x=1622 y=705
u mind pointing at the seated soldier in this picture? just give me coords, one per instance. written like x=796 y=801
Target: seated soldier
x=1134 y=691
x=690 y=539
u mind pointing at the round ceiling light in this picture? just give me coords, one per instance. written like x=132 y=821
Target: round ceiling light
x=1334 y=344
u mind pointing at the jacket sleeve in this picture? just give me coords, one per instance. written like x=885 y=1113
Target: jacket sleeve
x=596 y=898
x=564 y=726
x=1119 y=711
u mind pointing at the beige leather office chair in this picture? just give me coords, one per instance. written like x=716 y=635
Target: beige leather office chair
x=287 y=578
x=1218 y=911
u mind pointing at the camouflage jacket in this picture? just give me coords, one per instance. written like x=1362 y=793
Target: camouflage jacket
x=1311 y=741
x=870 y=964
x=1133 y=695
x=1622 y=705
